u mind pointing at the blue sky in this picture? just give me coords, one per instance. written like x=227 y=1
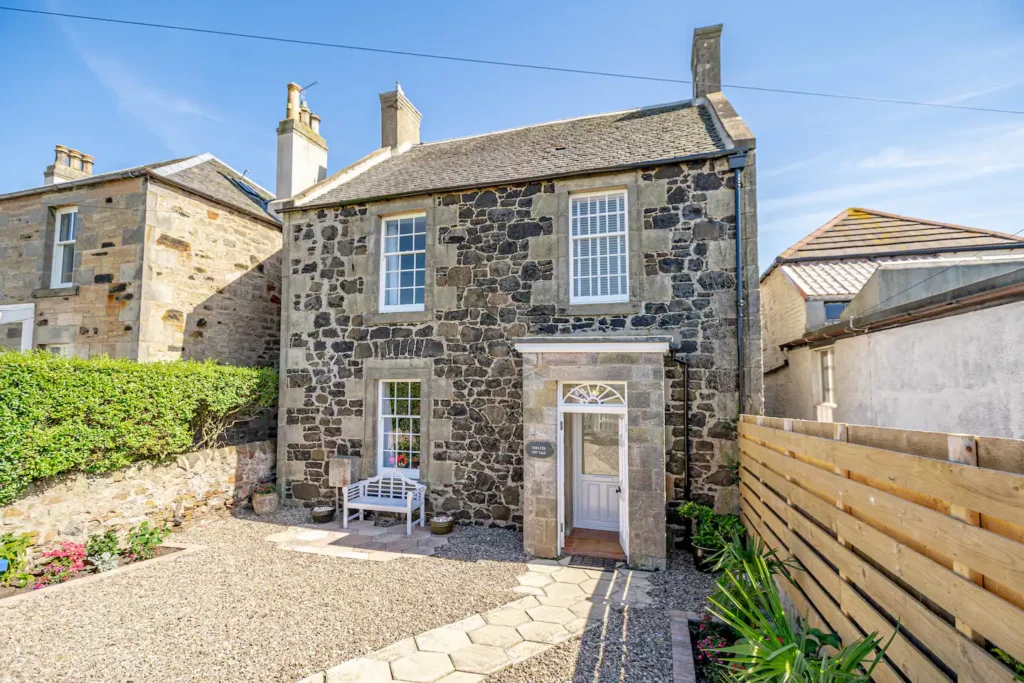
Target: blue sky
x=132 y=95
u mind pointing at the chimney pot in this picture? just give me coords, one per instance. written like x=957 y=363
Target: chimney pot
x=68 y=164
x=292 y=110
x=399 y=119
x=706 y=60
x=301 y=152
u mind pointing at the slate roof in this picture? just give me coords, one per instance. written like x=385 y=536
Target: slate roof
x=544 y=150
x=204 y=174
x=208 y=175
x=864 y=232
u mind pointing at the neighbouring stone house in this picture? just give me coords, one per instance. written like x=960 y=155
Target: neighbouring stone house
x=178 y=259
x=856 y=327
x=509 y=317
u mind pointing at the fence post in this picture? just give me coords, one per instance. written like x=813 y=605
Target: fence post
x=841 y=433
x=963 y=449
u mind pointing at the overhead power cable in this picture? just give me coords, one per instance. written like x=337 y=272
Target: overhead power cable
x=494 y=62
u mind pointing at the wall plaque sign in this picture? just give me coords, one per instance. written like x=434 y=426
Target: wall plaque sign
x=540 y=449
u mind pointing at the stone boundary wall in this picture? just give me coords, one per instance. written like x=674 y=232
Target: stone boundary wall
x=73 y=506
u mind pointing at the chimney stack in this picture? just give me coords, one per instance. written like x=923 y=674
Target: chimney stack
x=68 y=164
x=301 y=151
x=399 y=120
x=706 y=60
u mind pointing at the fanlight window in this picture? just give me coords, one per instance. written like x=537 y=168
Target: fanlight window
x=595 y=394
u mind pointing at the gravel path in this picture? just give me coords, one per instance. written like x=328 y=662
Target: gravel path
x=633 y=646
x=243 y=610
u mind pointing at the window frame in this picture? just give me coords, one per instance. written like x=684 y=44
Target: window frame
x=623 y=297
x=57 y=260
x=381 y=286
x=827 y=375
x=825 y=306
x=409 y=472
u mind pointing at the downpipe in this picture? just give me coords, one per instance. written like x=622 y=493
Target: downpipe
x=737 y=162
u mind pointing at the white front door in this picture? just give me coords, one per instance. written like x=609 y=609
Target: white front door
x=597 y=446
x=24 y=314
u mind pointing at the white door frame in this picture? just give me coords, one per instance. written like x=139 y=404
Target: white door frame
x=24 y=314
x=560 y=462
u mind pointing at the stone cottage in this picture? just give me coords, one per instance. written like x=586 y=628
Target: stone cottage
x=178 y=259
x=511 y=318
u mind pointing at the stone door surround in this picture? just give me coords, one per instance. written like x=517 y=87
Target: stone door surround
x=639 y=362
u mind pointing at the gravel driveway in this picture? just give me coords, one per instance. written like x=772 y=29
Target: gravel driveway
x=241 y=609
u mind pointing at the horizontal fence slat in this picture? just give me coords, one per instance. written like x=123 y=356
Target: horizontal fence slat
x=910 y=660
x=977 y=548
x=1000 y=494
x=838 y=622
x=997 y=619
x=959 y=653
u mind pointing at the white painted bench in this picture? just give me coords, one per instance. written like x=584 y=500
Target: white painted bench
x=384 y=493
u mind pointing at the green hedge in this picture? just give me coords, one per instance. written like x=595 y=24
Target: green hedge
x=62 y=415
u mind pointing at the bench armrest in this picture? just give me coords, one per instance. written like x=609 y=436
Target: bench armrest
x=353 y=490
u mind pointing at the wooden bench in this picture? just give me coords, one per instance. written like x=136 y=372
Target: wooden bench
x=384 y=493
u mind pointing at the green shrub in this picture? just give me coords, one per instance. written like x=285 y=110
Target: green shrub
x=102 y=543
x=67 y=414
x=710 y=530
x=143 y=540
x=14 y=549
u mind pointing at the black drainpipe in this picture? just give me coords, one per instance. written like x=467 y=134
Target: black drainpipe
x=737 y=162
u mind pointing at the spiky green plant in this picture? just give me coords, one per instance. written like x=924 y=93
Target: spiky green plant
x=773 y=647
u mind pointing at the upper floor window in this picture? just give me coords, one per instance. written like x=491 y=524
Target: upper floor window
x=62 y=273
x=599 y=271
x=403 y=263
x=834 y=309
x=828 y=395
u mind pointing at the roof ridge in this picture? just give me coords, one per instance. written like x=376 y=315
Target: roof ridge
x=666 y=105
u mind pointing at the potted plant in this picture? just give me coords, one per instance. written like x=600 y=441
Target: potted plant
x=264 y=499
x=322 y=514
x=441 y=524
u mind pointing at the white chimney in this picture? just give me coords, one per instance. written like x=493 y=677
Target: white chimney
x=399 y=120
x=706 y=60
x=301 y=152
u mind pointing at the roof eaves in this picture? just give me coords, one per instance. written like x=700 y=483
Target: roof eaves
x=288 y=206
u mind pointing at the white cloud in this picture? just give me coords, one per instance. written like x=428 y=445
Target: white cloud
x=173 y=118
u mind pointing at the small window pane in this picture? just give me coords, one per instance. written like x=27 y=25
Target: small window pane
x=67 y=263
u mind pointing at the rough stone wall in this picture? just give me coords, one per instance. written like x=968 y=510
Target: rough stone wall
x=100 y=314
x=73 y=506
x=212 y=279
x=645 y=377
x=496 y=268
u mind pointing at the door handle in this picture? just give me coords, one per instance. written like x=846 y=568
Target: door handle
x=618 y=489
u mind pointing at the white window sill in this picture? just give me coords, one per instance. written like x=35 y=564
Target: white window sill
x=403 y=309
x=397 y=471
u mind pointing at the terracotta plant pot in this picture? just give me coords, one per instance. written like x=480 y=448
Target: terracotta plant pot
x=264 y=503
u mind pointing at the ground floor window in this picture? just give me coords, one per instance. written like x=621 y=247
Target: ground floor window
x=398 y=443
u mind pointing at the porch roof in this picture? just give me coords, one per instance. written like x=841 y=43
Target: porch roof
x=594 y=344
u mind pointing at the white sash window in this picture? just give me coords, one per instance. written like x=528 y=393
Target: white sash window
x=599 y=270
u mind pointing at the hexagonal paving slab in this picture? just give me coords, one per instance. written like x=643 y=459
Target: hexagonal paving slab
x=506 y=616
x=543 y=632
x=480 y=659
x=535 y=579
x=498 y=636
x=360 y=671
x=567 y=591
x=525 y=650
x=570 y=575
x=461 y=677
x=543 y=566
x=421 y=667
x=442 y=640
x=551 y=614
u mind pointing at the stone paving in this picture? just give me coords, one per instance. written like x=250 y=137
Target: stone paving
x=361 y=541
x=559 y=602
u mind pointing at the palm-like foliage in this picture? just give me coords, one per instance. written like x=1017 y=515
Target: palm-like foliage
x=773 y=647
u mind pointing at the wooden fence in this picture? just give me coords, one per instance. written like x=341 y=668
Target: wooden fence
x=896 y=527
